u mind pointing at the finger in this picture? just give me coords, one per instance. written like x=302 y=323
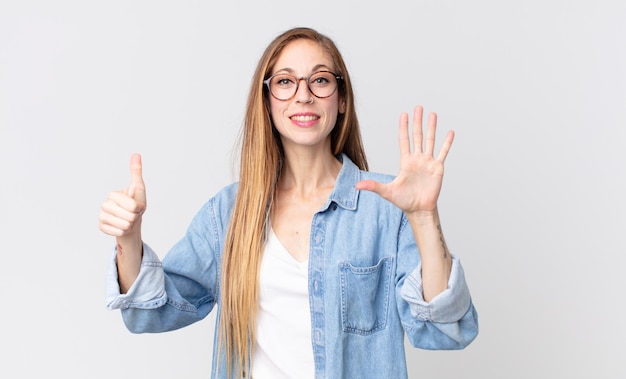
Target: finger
x=429 y=147
x=403 y=134
x=445 y=147
x=112 y=231
x=113 y=225
x=136 y=168
x=137 y=189
x=122 y=206
x=417 y=129
x=373 y=186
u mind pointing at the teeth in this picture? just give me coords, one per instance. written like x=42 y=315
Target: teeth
x=304 y=118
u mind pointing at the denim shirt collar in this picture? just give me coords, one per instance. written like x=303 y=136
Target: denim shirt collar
x=345 y=194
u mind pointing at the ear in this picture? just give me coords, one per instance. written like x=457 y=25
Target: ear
x=342 y=106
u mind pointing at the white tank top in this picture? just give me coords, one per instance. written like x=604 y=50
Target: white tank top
x=283 y=346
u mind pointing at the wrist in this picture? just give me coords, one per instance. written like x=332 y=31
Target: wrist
x=423 y=217
x=130 y=243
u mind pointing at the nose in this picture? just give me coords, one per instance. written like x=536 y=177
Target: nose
x=303 y=93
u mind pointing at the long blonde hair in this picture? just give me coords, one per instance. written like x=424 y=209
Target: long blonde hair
x=260 y=164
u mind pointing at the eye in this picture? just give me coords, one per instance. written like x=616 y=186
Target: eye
x=321 y=79
x=283 y=81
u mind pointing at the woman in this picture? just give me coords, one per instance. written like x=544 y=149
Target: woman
x=318 y=268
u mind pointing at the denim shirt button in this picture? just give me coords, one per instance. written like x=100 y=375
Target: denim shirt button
x=316 y=285
x=318 y=336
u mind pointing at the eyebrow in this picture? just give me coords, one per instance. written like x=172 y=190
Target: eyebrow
x=316 y=68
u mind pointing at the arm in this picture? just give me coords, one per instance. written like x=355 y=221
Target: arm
x=435 y=257
x=416 y=190
x=157 y=296
x=183 y=287
x=432 y=295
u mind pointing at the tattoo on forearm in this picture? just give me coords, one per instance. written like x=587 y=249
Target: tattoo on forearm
x=446 y=253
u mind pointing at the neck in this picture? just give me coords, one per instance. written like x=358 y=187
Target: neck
x=306 y=171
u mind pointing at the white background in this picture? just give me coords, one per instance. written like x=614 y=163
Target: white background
x=533 y=200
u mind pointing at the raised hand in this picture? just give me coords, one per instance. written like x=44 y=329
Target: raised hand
x=418 y=184
x=121 y=212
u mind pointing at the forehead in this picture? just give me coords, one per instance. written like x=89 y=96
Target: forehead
x=302 y=56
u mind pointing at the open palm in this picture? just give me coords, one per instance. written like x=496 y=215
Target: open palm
x=417 y=186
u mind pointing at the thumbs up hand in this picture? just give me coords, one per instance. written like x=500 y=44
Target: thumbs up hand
x=121 y=212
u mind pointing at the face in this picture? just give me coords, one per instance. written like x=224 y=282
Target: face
x=305 y=120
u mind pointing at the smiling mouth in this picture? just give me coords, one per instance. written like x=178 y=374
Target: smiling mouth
x=306 y=118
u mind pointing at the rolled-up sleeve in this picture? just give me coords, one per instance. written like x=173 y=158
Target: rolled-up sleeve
x=148 y=290
x=448 y=322
x=448 y=306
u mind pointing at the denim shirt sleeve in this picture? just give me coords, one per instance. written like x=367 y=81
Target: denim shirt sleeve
x=148 y=290
x=449 y=320
x=448 y=306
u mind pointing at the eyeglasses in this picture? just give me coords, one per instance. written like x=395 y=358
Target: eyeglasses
x=284 y=86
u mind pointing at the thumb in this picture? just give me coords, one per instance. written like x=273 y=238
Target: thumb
x=373 y=186
x=137 y=188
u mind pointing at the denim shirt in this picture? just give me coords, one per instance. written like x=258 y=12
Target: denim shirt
x=365 y=285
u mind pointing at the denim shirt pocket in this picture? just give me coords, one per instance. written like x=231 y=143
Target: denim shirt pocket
x=365 y=296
